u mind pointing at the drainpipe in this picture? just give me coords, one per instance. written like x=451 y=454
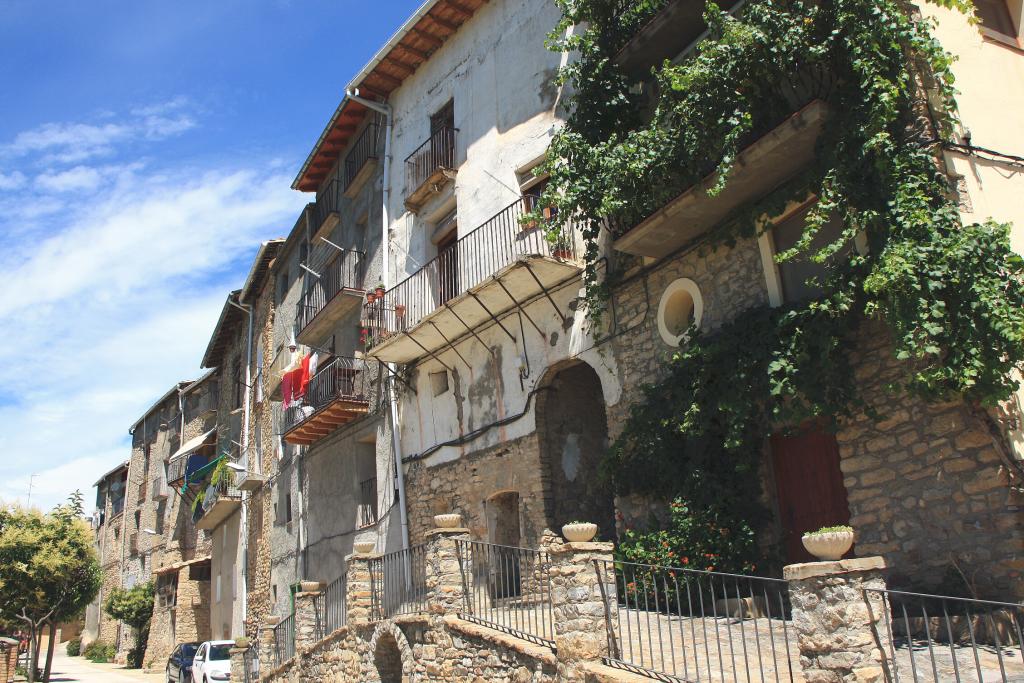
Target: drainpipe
x=396 y=441
x=243 y=525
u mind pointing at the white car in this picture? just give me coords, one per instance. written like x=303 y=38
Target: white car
x=212 y=662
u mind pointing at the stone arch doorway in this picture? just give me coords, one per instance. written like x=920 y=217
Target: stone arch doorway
x=572 y=430
x=390 y=654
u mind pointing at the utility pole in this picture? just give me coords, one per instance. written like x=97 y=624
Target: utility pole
x=30 y=480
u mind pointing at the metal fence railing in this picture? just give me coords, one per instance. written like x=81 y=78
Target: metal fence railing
x=367 y=510
x=437 y=152
x=284 y=640
x=331 y=613
x=473 y=258
x=328 y=201
x=364 y=149
x=508 y=588
x=345 y=272
x=251 y=659
x=696 y=625
x=398 y=582
x=937 y=638
x=341 y=378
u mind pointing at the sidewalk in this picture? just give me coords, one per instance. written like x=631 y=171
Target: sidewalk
x=79 y=670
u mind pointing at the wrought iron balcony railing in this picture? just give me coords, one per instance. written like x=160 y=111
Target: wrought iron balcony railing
x=342 y=380
x=436 y=154
x=499 y=242
x=343 y=273
x=367 y=502
x=328 y=203
x=364 y=149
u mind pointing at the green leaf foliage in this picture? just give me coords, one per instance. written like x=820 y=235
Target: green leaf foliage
x=948 y=296
x=133 y=606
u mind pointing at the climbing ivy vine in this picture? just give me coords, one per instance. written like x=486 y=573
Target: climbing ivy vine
x=949 y=295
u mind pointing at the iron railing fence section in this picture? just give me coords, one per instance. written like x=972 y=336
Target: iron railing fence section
x=364 y=149
x=497 y=243
x=367 y=502
x=941 y=638
x=675 y=623
x=251 y=658
x=331 y=613
x=435 y=153
x=508 y=588
x=284 y=640
x=340 y=378
x=344 y=272
x=399 y=582
x=328 y=201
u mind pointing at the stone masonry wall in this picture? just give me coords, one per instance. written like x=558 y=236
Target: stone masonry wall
x=927 y=489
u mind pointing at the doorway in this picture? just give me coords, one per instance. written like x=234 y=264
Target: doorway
x=504 y=578
x=809 y=486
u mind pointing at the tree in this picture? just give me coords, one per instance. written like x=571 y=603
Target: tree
x=49 y=570
x=133 y=606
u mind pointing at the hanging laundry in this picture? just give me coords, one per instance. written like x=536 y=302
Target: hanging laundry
x=286 y=388
x=306 y=371
x=314 y=361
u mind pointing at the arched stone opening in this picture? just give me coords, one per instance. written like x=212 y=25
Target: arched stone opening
x=572 y=430
x=387 y=659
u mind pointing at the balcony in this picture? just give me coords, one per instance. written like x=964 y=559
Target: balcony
x=338 y=394
x=325 y=212
x=367 y=511
x=361 y=161
x=430 y=167
x=143 y=489
x=159 y=489
x=771 y=159
x=219 y=503
x=338 y=290
x=133 y=544
x=492 y=269
x=179 y=471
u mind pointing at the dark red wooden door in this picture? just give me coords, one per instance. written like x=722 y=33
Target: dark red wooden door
x=810 y=487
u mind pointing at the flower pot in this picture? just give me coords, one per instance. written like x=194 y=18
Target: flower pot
x=579 y=532
x=242 y=643
x=310 y=586
x=831 y=545
x=379 y=291
x=451 y=520
x=371 y=297
x=364 y=547
x=400 y=310
x=561 y=253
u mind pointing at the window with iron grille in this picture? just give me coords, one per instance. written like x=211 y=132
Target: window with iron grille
x=167 y=590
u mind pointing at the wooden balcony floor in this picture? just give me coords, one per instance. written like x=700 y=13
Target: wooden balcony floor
x=325 y=420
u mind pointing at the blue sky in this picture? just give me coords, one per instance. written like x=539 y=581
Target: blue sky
x=146 y=149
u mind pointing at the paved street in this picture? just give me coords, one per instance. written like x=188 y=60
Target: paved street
x=78 y=670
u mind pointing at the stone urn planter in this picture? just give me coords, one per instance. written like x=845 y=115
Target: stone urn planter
x=364 y=547
x=450 y=520
x=242 y=643
x=310 y=586
x=579 y=532
x=830 y=543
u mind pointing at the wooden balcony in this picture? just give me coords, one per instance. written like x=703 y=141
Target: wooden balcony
x=767 y=163
x=221 y=502
x=337 y=395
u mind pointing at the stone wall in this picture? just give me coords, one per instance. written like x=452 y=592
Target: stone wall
x=927 y=489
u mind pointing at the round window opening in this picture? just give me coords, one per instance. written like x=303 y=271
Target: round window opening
x=681 y=307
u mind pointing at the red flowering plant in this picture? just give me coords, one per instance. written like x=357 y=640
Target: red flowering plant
x=656 y=566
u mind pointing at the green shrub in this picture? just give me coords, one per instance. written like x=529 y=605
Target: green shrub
x=74 y=647
x=99 y=652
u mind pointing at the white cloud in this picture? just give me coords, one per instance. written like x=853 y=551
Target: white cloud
x=110 y=295
x=74 y=142
x=11 y=181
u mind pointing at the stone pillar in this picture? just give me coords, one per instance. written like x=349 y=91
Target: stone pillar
x=238 y=663
x=307 y=619
x=582 y=574
x=359 y=590
x=839 y=626
x=8 y=659
x=446 y=587
x=267 y=644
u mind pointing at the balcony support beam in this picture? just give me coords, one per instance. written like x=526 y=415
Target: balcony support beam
x=522 y=311
x=469 y=329
x=428 y=351
x=544 y=289
x=448 y=344
x=492 y=317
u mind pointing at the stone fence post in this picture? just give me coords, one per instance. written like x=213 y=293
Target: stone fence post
x=581 y=576
x=839 y=626
x=359 y=590
x=267 y=644
x=446 y=588
x=307 y=618
x=238 y=662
